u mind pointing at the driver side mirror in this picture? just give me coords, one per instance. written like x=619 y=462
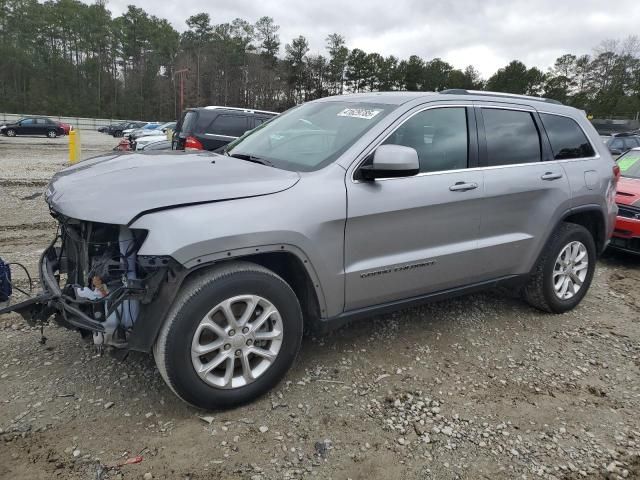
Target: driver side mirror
x=391 y=161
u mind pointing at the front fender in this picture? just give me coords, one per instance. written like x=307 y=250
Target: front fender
x=307 y=220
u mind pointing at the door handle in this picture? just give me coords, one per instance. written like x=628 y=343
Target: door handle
x=463 y=187
x=551 y=176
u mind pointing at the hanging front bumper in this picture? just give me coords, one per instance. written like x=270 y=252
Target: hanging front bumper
x=51 y=300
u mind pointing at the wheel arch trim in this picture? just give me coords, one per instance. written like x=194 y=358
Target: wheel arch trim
x=241 y=253
x=587 y=208
x=600 y=239
x=147 y=327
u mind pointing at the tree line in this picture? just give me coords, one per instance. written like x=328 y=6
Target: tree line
x=65 y=57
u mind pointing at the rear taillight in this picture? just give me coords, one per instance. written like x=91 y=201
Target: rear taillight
x=192 y=143
x=616 y=173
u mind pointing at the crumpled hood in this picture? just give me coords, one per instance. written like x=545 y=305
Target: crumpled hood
x=119 y=187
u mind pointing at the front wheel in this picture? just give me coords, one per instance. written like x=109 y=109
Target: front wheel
x=11 y=132
x=564 y=271
x=231 y=335
x=52 y=134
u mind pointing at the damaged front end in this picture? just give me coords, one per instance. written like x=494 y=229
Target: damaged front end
x=93 y=279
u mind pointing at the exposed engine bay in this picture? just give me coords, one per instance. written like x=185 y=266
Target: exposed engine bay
x=94 y=280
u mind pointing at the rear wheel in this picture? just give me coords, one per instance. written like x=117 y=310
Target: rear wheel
x=52 y=134
x=564 y=272
x=11 y=132
x=231 y=335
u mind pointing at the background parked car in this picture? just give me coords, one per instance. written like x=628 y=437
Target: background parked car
x=157 y=145
x=621 y=142
x=209 y=128
x=141 y=142
x=151 y=129
x=123 y=146
x=626 y=235
x=109 y=129
x=144 y=125
x=117 y=130
x=142 y=137
x=142 y=132
x=33 y=126
x=66 y=127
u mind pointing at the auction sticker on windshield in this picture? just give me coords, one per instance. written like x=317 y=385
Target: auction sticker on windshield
x=365 y=113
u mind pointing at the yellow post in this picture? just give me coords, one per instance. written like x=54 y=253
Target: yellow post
x=169 y=133
x=74 y=147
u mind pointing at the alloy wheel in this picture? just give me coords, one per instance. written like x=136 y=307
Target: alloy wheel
x=570 y=270
x=237 y=341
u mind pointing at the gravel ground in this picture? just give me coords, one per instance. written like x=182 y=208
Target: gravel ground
x=481 y=387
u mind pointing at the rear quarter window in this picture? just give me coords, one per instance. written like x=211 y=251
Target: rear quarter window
x=229 y=125
x=630 y=142
x=616 y=144
x=566 y=137
x=260 y=120
x=188 y=122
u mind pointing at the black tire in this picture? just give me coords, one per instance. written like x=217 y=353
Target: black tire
x=52 y=134
x=10 y=132
x=172 y=350
x=539 y=291
x=117 y=134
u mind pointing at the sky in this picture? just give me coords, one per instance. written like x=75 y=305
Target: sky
x=487 y=34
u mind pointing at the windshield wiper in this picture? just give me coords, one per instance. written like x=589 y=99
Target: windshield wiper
x=250 y=158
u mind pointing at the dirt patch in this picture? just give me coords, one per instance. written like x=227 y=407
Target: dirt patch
x=624 y=278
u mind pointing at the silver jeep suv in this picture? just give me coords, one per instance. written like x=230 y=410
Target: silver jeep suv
x=340 y=208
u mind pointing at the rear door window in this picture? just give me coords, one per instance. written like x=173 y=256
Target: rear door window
x=512 y=137
x=229 y=125
x=566 y=137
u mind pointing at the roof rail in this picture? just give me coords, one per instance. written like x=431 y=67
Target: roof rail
x=462 y=91
x=246 y=110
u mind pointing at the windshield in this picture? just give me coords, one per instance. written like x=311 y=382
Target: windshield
x=310 y=136
x=629 y=164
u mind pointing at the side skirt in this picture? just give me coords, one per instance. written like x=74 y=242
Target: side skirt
x=324 y=325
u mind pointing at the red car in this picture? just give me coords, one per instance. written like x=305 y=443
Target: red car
x=626 y=235
x=123 y=146
x=65 y=126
